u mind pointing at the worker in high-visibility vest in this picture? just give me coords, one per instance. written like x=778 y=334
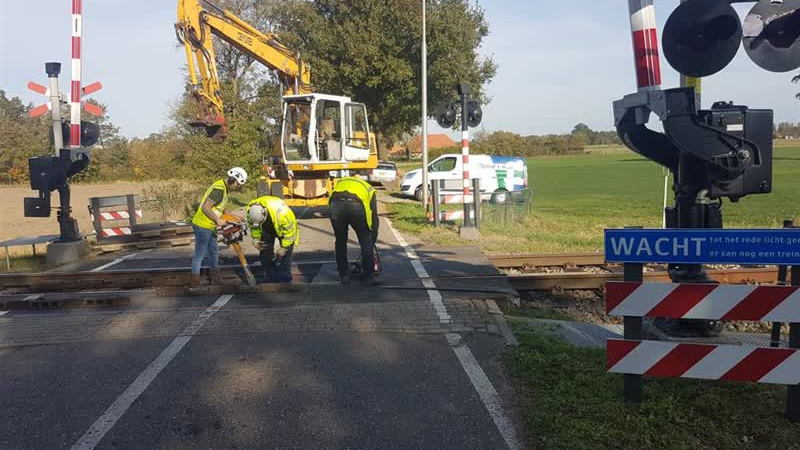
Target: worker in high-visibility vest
x=208 y=218
x=353 y=204
x=270 y=219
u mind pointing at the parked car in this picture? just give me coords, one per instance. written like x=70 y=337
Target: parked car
x=499 y=176
x=386 y=172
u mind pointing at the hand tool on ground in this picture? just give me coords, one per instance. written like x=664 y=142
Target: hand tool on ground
x=232 y=234
x=377 y=268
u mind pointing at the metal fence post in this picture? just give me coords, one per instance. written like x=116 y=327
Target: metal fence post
x=793 y=392
x=476 y=201
x=775 y=340
x=436 y=205
x=95 y=211
x=633 y=273
x=132 y=209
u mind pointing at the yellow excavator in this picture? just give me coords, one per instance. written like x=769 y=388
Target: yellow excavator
x=323 y=137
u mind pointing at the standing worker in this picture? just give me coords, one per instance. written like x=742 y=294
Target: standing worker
x=206 y=221
x=353 y=204
x=269 y=219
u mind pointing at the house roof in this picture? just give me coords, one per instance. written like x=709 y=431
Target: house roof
x=434 y=141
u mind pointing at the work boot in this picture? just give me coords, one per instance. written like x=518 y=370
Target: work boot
x=216 y=277
x=197 y=281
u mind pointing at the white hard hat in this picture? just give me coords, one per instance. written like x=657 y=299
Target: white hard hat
x=239 y=174
x=257 y=214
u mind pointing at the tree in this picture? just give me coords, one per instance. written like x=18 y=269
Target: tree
x=370 y=50
x=21 y=137
x=503 y=143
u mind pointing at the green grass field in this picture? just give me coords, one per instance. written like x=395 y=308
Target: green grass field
x=571 y=403
x=577 y=197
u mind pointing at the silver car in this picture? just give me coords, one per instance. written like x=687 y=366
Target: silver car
x=386 y=172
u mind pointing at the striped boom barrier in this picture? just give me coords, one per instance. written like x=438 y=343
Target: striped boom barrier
x=704 y=301
x=706 y=362
x=645 y=44
x=75 y=86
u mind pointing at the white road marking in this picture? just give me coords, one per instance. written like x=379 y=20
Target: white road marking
x=434 y=295
x=485 y=389
x=98 y=430
x=476 y=374
x=117 y=261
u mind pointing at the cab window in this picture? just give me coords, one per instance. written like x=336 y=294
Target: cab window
x=443 y=165
x=295 y=132
x=328 y=136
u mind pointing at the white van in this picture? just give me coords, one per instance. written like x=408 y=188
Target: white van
x=499 y=175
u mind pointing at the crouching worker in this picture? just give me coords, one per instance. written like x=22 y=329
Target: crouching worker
x=271 y=219
x=206 y=221
x=353 y=204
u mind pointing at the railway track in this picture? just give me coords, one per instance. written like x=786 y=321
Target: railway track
x=592 y=281
x=579 y=271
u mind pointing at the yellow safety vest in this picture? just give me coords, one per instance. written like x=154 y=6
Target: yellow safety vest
x=361 y=189
x=200 y=218
x=283 y=220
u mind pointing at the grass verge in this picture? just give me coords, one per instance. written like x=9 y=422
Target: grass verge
x=24 y=263
x=572 y=403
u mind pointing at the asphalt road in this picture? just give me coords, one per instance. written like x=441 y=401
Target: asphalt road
x=336 y=368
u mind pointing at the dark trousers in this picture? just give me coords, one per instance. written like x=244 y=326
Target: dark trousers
x=275 y=271
x=346 y=212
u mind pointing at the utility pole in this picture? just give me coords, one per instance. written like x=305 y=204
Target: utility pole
x=424 y=109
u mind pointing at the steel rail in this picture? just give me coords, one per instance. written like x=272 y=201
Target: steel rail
x=543 y=260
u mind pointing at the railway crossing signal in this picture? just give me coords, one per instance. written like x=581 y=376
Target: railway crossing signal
x=701 y=37
x=471 y=116
x=717 y=153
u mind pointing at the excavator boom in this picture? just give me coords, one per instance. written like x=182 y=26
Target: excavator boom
x=197 y=21
x=322 y=136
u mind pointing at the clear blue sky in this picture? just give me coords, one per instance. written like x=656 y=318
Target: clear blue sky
x=560 y=62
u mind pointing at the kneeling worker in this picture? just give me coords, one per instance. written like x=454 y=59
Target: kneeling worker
x=353 y=204
x=206 y=221
x=270 y=218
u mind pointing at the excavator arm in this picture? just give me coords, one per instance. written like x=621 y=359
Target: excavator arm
x=197 y=21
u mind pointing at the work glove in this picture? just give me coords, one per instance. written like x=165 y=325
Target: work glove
x=280 y=252
x=221 y=222
x=258 y=245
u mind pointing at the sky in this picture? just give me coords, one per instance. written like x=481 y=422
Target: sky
x=560 y=63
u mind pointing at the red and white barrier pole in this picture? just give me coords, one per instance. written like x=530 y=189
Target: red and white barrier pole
x=465 y=162
x=75 y=87
x=645 y=44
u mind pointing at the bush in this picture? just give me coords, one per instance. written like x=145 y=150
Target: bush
x=172 y=200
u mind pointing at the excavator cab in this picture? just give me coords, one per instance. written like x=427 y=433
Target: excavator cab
x=324 y=129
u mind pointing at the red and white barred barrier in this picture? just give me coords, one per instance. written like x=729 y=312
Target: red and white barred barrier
x=451 y=216
x=465 y=157
x=117 y=215
x=75 y=87
x=456 y=199
x=704 y=301
x=707 y=362
x=116 y=231
x=645 y=44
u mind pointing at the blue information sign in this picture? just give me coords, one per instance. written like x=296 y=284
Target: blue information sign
x=695 y=246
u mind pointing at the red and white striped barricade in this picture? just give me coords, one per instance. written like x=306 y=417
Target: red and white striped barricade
x=438 y=198
x=635 y=300
x=114 y=216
